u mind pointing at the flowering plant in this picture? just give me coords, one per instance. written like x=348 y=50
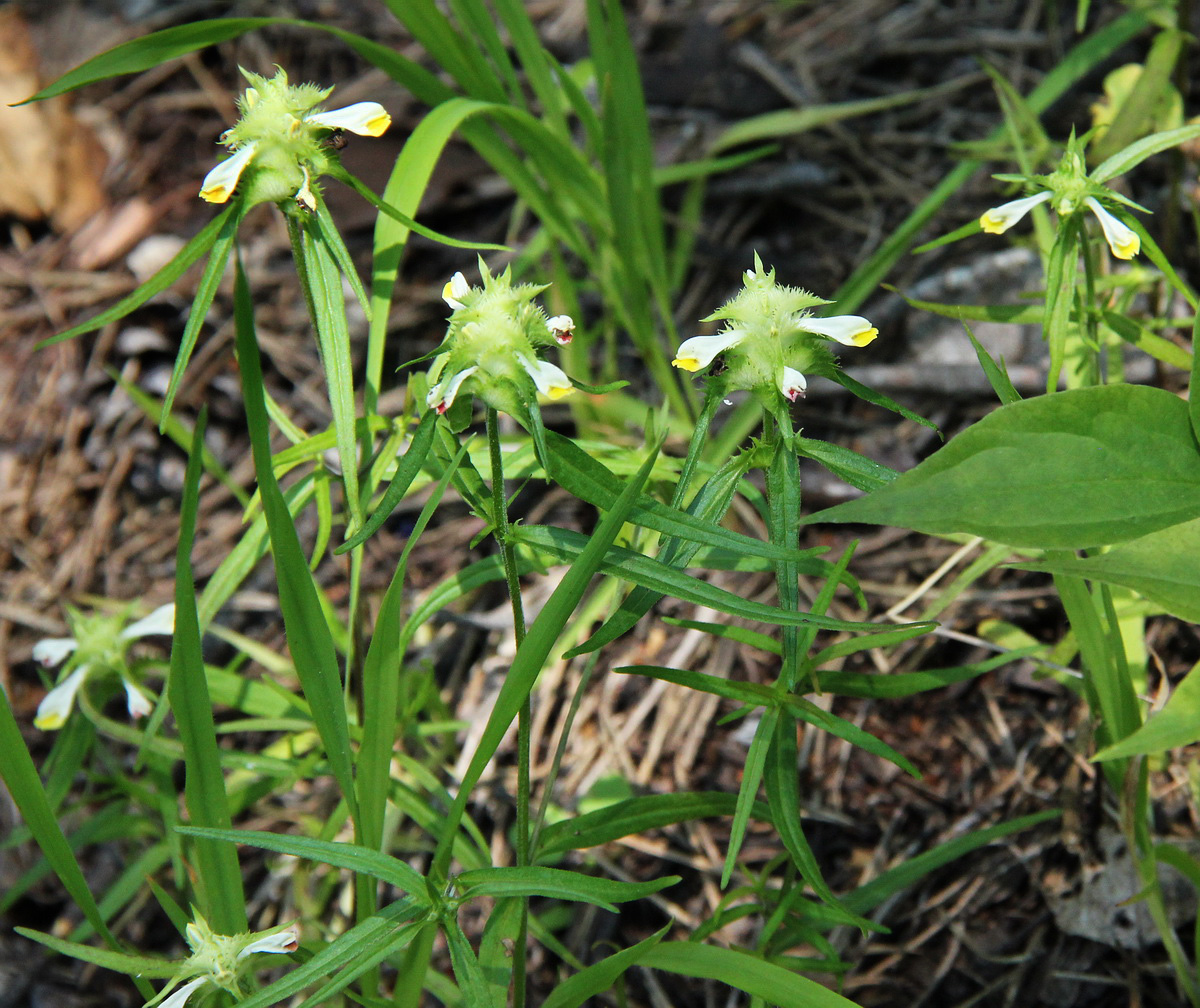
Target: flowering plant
x=282 y=142
x=491 y=347
x=771 y=338
x=100 y=644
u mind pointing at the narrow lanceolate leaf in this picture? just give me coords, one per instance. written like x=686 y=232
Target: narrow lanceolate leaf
x=599 y=977
x=555 y=883
x=210 y=280
x=637 y=815
x=565 y=545
x=591 y=481
x=307 y=632
x=742 y=971
x=534 y=651
x=347 y=956
x=21 y=777
x=1176 y=725
x=158 y=283
x=1062 y=471
x=219 y=878
x=406 y=471
x=338 y=855
x=329 y=319
x=121 y=962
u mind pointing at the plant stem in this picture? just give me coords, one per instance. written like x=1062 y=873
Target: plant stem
x=509 y=556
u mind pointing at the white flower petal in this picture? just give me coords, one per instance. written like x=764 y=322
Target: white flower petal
x=441 y=396
x=287 y=940
x=793 y=384
x=364 y=118
x=1123 y=241
x=549 y=379
x=562 y=328
x=699 y=351
x=220 y=183
x=137 y=703
x=999 y=219
x=56 y=706
x=850 y=330
x=179 y=998
x=53 y=650
x=161 y=621
x=455 y=290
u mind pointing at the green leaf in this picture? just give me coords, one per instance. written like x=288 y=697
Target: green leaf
x=789 y=122
x=555 y=883
x=305 y=626
x=866 y=898
x=997 y=374
x=1177 y=724
x=322 y=281
x=1061 y=471
x=21 y=777
x=742 y=971
x=158 y=283
x=468 y=973
x=406 y=471
x=565 y=545
x=120 y=962
x=348 y=956
x=1161 y=566
x=637 y=815
x=859 y=471
x=339 y=855
x=218 y=875
x=591 y=481
x=150 y=51
x=902 y=684
x=599 y=977
x=206 y=290
x=1138 y=335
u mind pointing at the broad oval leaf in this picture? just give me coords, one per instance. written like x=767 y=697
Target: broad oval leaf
x=1177 y=724
x=1161 y=566
x=1062 y=471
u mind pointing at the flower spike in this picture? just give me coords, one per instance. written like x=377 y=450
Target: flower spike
x=770 y=339
x=280 y=145
x=492 y=342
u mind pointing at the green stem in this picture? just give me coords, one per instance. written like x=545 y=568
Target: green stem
x=509 y=557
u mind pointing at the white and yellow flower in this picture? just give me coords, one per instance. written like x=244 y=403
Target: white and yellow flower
x=491 y=346
x=99 y=645
x=771 y=338
x=1068 y=189
x=283 y=134
x=219 y=960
